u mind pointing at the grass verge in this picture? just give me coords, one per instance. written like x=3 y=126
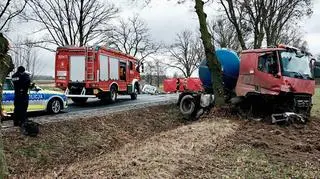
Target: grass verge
x=156 y=142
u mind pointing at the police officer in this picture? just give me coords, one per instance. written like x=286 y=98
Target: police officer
x=21 y=82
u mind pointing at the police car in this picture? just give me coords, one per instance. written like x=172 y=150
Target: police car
x=39 y=100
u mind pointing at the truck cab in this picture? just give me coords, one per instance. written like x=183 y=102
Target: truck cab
x=282 y=76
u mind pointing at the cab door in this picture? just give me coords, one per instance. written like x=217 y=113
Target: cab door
x=131 y=69
x=268 y=76
x=123 y=75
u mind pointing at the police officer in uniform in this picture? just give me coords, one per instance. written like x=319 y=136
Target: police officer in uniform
x=21 y=82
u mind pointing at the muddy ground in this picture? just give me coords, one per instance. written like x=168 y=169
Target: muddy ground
x=156 y=142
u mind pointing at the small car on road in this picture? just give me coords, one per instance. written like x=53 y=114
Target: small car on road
x=39 y=99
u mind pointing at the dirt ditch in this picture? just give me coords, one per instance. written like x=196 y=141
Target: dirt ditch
x=60 y=144
x=286 y=143
x=155 y=142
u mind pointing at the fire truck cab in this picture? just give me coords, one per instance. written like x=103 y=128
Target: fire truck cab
x=96 y=72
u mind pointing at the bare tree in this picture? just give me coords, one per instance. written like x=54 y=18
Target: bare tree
x=71 y=22
x=266 y=18
x=236 y=17
x=210 y=52
x=154 y=71
x=132 y=37
x=149 y=69
x=177 y=75
x=283 y=17
x=186 y=53
x=292 y=36
x=224 y=34
x=9 y=9
x=25 y=54
x=159 y=70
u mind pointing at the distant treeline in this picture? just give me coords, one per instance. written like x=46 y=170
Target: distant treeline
x=154 y=80
x=42 y=77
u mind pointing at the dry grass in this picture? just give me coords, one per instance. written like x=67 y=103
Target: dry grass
x=156 y=143
x=167 y=155
x=61 y=144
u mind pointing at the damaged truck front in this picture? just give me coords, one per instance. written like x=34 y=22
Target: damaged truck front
x=262 y=82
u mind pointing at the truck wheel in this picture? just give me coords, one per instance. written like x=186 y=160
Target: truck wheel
x=113 y=94
x=187 y=105
x=79 y=101
x=54 y=106
x=134 y=95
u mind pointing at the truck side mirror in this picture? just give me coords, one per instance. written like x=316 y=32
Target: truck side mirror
x=316 y=69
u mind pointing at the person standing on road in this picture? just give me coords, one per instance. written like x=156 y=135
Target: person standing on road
x=21 y=81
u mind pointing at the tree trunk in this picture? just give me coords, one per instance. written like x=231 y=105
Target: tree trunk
x=213 y=63
x=81 y=24
x=6 y=66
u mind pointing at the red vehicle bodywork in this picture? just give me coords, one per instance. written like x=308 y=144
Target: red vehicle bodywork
x=252 y=80
x=172 y=85
x=92 y=67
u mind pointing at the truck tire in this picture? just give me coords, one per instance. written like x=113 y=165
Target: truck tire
x=79 y=101
x=187 y=105
x=113 y=94
x=134 y=95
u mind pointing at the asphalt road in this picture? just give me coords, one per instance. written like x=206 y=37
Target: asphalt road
x=124 y=100
x=96 y=108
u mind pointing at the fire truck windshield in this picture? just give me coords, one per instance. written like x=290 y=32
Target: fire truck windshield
x=295 y=66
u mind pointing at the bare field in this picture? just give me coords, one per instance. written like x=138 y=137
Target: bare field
x=156 y=142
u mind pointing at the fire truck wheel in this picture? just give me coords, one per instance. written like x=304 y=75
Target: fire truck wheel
x=113 y=94
x=134 y=95
x=79 y=101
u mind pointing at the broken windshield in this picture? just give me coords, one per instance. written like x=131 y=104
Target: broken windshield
x=295 y=66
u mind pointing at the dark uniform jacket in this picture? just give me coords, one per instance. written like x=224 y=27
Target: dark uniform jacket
x=21 y=83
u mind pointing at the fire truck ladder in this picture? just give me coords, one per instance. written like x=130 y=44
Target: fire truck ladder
x=90 y=63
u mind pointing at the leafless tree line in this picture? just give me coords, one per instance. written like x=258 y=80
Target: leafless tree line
x=132 y=36
x=269 y=20
x=25 y=54
x=186 y=53
x=245 y=24
x=71 y=22
x=155 y=71
x=9 y=9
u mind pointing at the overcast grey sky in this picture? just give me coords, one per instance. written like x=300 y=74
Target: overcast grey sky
x=165 y=19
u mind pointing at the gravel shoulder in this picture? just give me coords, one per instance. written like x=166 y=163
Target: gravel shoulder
x=100 y=110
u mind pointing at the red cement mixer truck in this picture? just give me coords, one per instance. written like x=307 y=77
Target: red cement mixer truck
x=279 y=81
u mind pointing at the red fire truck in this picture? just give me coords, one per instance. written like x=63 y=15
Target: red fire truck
x=96 y=72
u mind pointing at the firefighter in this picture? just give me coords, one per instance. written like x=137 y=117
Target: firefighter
x=21 y=82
